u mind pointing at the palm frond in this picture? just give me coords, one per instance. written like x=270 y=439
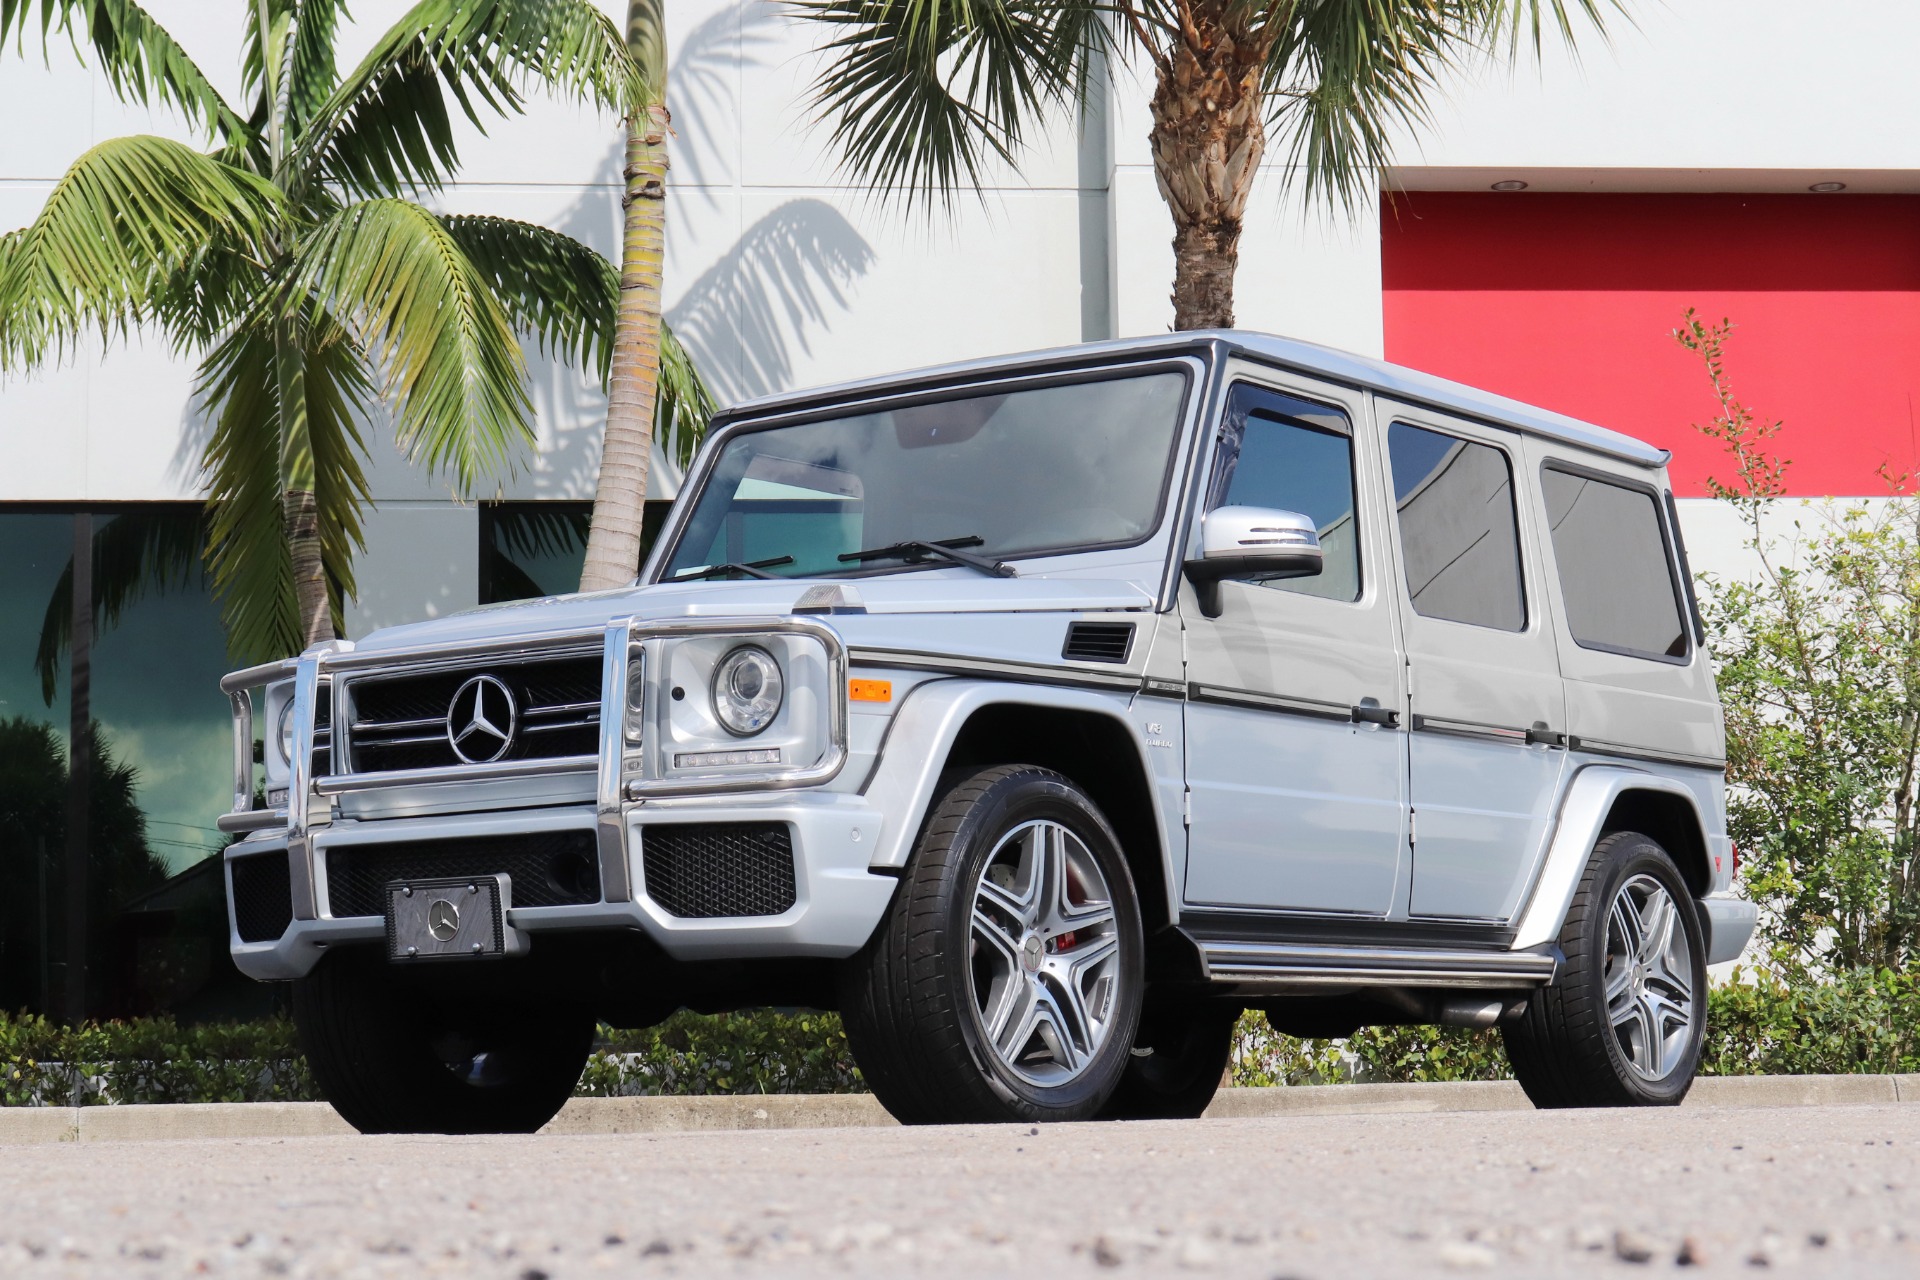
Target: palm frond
x=393 y=274
x=923 y=94
x=136 y=554
x=561 y=292
x=387 y=127
x=1510 y=21
x=307 y=70
x=141 y=60
x=246 y=546
x=682 y=406
x=121 y=223
x=1342 y=77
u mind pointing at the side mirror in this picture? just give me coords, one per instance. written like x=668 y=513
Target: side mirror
x=1252 y=543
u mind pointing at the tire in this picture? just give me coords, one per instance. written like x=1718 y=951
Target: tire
x=393 y=1058
x=1636 y=958
x=1179 y=1056
x=1059 y=978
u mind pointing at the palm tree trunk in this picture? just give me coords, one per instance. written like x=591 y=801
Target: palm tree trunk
x=1208 y=137
x=314 y=614
x=620 y=500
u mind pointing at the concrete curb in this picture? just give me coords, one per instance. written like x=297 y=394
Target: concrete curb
x=223 y=1120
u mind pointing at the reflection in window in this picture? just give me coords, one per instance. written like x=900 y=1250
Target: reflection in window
x=1293 y=455
x=158 y=773
x=1458 y=537
x=533 y=549
x=1615 y=574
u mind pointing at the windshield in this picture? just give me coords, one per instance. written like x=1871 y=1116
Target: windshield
x=1048 y=469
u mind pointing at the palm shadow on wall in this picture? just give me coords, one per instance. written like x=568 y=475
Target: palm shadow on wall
x=766 y=301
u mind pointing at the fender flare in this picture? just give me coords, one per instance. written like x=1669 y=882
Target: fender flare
x=923 y=733
x=1583 y=812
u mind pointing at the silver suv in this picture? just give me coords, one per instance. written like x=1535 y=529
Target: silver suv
x=1039 y=715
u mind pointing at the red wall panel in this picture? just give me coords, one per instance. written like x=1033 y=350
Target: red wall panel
x=1568 y=300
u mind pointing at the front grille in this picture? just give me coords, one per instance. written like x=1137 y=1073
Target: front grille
x=1098 y=641
x=702 y=870
x=262 y=897
x=401 y=721
x=549 y=868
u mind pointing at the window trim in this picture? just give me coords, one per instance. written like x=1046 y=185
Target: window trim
x=667 y=545
x=1666 y=539
x=1527 y=617
x=1215 y=476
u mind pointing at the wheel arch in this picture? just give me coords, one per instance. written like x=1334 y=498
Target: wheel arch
x=1086 y=735
x=1602 y=799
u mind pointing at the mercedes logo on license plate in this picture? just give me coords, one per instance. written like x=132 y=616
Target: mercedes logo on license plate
x=443 y=919
x=481 y=720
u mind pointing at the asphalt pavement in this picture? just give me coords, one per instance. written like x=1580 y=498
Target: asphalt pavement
x=1789 y=1191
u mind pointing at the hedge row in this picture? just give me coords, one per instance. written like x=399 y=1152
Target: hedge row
x=1864 y=1023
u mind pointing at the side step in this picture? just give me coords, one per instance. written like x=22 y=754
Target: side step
x=1287 y=964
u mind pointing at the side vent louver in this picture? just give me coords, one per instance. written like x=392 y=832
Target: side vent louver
x=1098 y=641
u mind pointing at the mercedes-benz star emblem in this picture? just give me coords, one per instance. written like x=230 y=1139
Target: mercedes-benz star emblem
x=481 y=720
x=443 y=920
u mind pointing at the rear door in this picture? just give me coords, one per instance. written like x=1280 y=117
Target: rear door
x=1486 y=748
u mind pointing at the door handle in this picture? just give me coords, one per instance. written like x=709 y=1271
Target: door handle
x=1368 y=711
x=1541 y=736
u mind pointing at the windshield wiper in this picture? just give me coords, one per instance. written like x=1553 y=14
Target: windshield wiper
x=751 y=569
x=946 y=549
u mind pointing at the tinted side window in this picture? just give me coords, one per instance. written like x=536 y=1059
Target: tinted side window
x=1459 y=538
x=1615 y=573
x=1294 y=455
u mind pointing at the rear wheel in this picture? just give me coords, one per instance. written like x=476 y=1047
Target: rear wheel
x=1179 y=1057
x=1005 y=981
x=397 y=1057
x=1624 y=1022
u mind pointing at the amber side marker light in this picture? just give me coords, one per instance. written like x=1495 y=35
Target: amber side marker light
x=870 y=690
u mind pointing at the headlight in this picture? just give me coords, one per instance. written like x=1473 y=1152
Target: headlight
x=286 y=729
x=747 y=690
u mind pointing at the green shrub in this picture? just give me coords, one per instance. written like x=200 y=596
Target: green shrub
x=758 y=1051
x=149 y=1060
x=1861 y=1021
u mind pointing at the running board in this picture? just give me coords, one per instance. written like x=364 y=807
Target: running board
x=1285 y=964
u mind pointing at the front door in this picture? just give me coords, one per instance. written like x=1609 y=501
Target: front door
x=1295 y=759
x=1486 y=747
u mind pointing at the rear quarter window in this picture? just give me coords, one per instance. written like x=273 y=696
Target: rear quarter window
x=1616 y=572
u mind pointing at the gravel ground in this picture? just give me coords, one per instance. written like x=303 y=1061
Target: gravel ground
x=1818 y=1190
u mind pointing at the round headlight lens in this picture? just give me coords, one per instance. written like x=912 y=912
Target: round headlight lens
x=747 y=690
x=286 y=730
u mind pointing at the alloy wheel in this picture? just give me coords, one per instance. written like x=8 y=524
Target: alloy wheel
x=1649 y=978
x=1044 y=953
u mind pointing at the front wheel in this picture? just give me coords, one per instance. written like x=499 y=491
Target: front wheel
x=399 y=1057
x=1005 y=982
x=1624 y=1023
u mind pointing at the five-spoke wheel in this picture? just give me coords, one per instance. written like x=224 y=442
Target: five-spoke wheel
x=1621 y=1024
x=1005 y=982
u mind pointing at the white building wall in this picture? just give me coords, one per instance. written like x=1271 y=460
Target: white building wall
x=781 y=275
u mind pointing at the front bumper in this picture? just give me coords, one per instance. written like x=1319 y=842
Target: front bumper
x=1729 y=922
x=838 y=901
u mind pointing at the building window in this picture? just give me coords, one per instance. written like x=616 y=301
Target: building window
x=534 y=549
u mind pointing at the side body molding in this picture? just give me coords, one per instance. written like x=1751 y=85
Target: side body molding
x=1583 y=812
x=924 y=730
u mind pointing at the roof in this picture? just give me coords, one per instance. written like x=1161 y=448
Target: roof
x=1307 y=357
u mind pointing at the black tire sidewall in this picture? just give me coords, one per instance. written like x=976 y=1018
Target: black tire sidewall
x=1636 y=855
x=1018 y=798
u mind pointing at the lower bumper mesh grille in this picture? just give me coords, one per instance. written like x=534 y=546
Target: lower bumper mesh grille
x=549 y=868
x=703 y=870
x=262 y=897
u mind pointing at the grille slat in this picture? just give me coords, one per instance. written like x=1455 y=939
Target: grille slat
x=549 y=868
x=262 y=897
x=1098 y=641
x=706 y=870
x=394 y=715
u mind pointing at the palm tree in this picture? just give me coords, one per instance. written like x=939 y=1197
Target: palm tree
x=291 y=259
x=924 y=93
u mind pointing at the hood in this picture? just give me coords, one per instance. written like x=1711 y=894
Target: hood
x=894 y=597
